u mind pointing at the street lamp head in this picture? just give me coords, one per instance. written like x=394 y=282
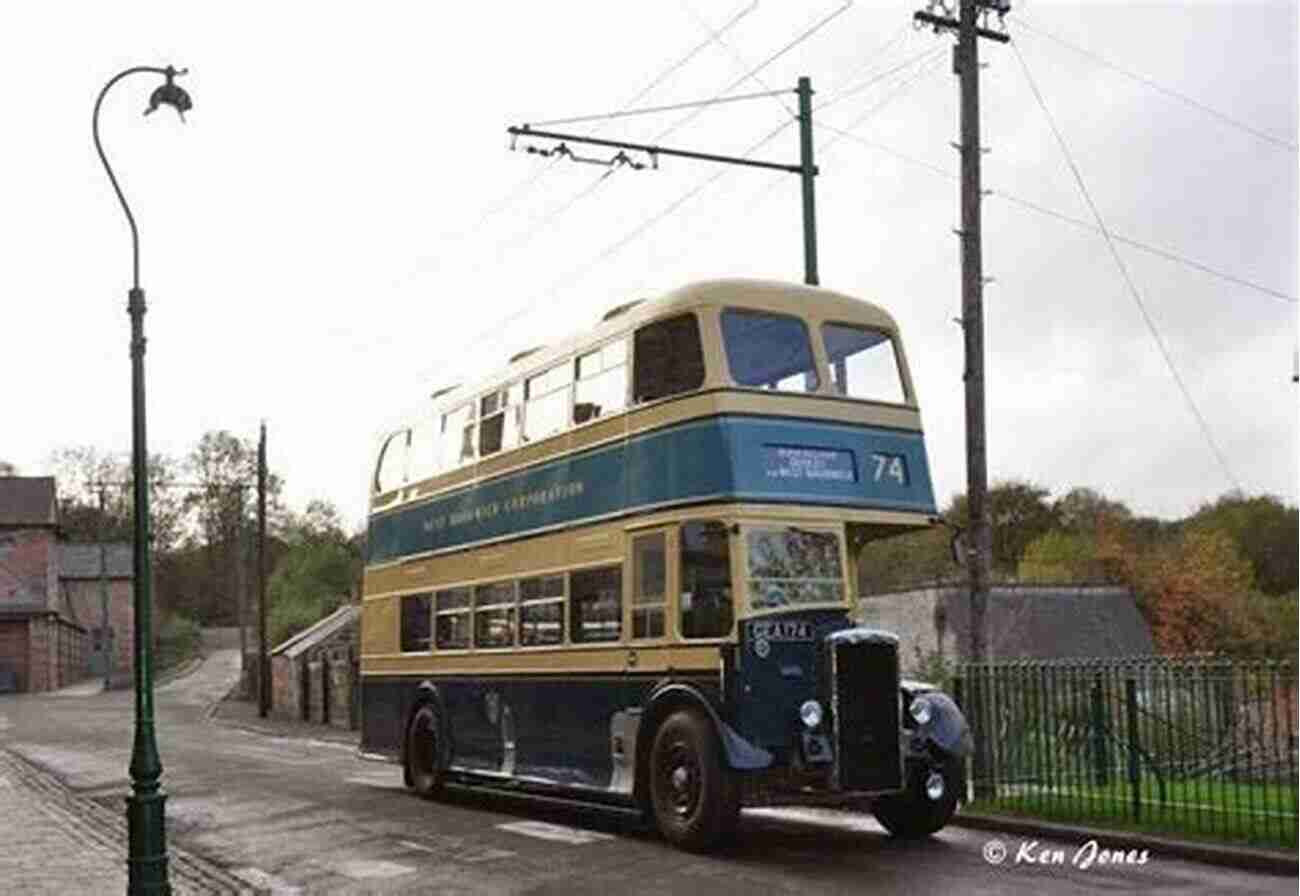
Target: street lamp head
x=171 y=94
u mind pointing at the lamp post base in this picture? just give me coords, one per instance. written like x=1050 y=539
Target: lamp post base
x=147 y=862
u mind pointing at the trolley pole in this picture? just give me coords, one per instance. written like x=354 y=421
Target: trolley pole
x=807 y=173
x=806 y=169
x=241 y=592
x=263 y=664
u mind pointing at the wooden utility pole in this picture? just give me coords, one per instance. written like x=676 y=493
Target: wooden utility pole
x=263 y=661
x=979 y=559
x=241 y=591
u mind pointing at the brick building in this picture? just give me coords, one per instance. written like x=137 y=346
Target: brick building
x=102 y=606
x=41 y=646
x=315 y=674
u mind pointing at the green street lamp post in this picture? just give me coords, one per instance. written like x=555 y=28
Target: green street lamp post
x=146 y=821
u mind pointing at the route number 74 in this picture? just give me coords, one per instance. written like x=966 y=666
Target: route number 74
x=889 y=466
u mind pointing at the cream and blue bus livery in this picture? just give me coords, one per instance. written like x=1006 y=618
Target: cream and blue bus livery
x=621 y=569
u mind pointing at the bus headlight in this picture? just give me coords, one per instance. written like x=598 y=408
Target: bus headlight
x=920 y=710
x=810 y=713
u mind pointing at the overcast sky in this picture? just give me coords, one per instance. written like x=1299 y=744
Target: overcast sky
x=325 y=241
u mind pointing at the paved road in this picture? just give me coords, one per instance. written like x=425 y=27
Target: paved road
x=302 y=815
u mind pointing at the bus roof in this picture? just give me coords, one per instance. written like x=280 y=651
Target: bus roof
x=767 y=295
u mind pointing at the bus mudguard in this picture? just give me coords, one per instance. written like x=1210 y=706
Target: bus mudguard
x=946 y=727
x=740 y=754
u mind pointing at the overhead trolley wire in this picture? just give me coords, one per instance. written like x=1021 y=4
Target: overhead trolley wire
x=1123 y=269
x=676 y=204
x=761 y=195
x=610 y=250
x=650 y=110
x=526 y=185
x=1160 y=88
x=1029 y=205
x=735 y=55
x=773 y=57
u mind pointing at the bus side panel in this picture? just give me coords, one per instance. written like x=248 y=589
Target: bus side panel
x=385 y=703
x=562 y=727
x=559 y=726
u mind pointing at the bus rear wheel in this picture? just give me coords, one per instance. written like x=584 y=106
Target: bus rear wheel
x=424 y=752
x=694 y=797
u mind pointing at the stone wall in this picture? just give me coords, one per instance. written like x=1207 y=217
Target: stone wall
x=911 y=616
x=286 y=690
x=325 y=675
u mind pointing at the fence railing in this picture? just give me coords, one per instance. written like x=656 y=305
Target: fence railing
x=1194 y=746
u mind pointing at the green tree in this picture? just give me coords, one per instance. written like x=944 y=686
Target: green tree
x=1059 y=557
x=1265 y=530
x=82 y=472
x=1019 y=513
x=912 y=560
x=1081 y=510
x=316 y=575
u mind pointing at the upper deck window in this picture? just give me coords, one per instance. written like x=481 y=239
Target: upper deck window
x=863 y=363
x=499 y=422
x=458 y=436
x=668 y=358
x=789 y=567
x=769 y=351
x=546 y=397
x=601 y=382
x=422 y=461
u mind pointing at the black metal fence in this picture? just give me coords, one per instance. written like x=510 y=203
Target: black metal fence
x=1194 y=746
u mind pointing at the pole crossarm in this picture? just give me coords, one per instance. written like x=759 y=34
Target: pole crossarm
x=941 y=23
x=652 y=150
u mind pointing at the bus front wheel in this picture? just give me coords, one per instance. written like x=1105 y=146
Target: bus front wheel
x=694 y=797
x=424 y=752
x=928 y=803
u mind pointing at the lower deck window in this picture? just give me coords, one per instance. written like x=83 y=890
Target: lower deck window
x=494 y=615
x=649 y=554
x=451 y=624
x=541 y=611
x=417 y=620
x=596 y=604
x=705 y=603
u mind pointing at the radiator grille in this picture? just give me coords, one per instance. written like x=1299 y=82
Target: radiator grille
x=864 y=678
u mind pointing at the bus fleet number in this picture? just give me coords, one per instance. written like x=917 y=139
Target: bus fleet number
x=889 y=466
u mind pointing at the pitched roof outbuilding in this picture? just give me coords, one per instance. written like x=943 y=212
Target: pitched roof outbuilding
x=310 y=637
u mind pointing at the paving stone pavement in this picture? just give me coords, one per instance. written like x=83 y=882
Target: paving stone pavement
x=58 y=842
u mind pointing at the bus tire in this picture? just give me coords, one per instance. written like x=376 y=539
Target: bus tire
x=694 y=797
x=912 y=814
x=424 y=752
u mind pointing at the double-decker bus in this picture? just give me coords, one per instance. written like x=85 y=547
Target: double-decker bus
x=622 y=567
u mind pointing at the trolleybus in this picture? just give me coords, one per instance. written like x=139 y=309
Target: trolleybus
x=622 y=567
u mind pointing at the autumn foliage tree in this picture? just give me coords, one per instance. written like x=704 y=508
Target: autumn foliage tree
x=1194 y=592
